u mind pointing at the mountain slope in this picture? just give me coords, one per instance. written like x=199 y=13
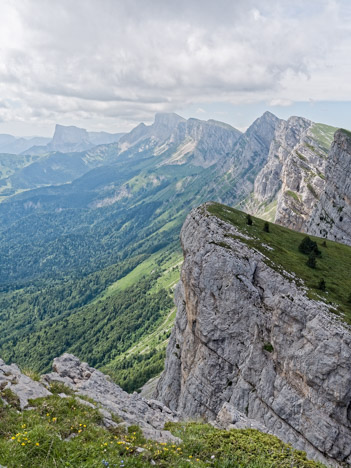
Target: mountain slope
x=331 y=217
x=288 y=187
x=66 y=250
x=255 y=337
x=15 y=145
x=72 y=254
x=70 y=139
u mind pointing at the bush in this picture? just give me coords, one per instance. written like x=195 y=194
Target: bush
x=322 y=285
x=249 y=220
x=311 y=262
x=308 y=246
x=266 y=227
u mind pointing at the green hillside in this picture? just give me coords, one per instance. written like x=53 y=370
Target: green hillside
x=88 y=267
x=62 y=432
x=332 y=265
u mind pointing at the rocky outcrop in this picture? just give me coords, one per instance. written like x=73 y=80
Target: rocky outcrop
x=109 y=398
x=11 y=378
x=248 y=336
x=150 y=415
x=332 y=215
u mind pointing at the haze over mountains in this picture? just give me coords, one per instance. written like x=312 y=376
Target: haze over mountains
x=84 y=231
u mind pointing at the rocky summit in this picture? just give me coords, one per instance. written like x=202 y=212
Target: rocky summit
x=251 y=348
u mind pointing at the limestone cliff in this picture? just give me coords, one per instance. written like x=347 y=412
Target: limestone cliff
x=331 y=217
x=247 y=337
x=290 y=184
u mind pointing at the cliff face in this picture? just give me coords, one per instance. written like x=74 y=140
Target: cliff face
x=332 y=215
x=247 y=336
x=289 y=186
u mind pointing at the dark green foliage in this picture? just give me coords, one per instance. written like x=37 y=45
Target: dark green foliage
x=131 y=373
x=307 y=246
x=268 y=347
x=321 y=285
x=266 y=227
x=324 y=244
x=311 y=261
x=97 y=332
x=249 y=220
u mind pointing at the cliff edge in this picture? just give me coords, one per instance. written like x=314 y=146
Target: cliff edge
x=249 y=338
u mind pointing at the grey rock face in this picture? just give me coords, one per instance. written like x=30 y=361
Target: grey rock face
x=288 y=188
x=287 y=135
x=230 y=418
x=150 y=415
x=332 y=216
x=247 y=336
x=202 y=143
x=196 y=141
x=24 y=387
x=71 y=139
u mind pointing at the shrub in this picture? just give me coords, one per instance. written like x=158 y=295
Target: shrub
x=322 y=285
x=266 y=227
x=311 y=261
x=308 y=246
x=268 y=347
x=249 y=220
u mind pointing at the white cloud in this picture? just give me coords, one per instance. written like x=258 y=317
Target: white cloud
x=116 y=62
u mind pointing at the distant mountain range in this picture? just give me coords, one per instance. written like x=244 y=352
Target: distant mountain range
x=66 y=139
x=14 y=145
x=89 y=247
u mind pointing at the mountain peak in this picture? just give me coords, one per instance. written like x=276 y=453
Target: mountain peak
x=168 y=119
x=68 y=135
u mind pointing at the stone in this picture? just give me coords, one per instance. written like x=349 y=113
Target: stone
x=23 y=386
x=151 y=415
x=230 y=304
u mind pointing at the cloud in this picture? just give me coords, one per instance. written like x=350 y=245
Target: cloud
x=280 y=102
x=115 y=62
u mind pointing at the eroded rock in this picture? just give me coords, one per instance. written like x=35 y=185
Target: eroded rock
x=151 y=415
x=249 y=336
x=20 y=384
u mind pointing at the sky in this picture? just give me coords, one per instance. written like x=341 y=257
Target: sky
x=110 y=64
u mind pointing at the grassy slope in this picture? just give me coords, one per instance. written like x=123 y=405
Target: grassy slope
x=38 y=438
x=333 y=265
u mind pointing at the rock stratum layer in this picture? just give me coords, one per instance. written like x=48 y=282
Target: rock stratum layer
x=332 y=215
x=247 y=337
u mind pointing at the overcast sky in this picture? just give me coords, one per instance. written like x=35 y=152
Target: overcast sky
x=109 y=64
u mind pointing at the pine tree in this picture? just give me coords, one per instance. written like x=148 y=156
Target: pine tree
x=322 y=285
x=308 y=246
x=266 y=227
x=249 y=220
x=311 y=261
